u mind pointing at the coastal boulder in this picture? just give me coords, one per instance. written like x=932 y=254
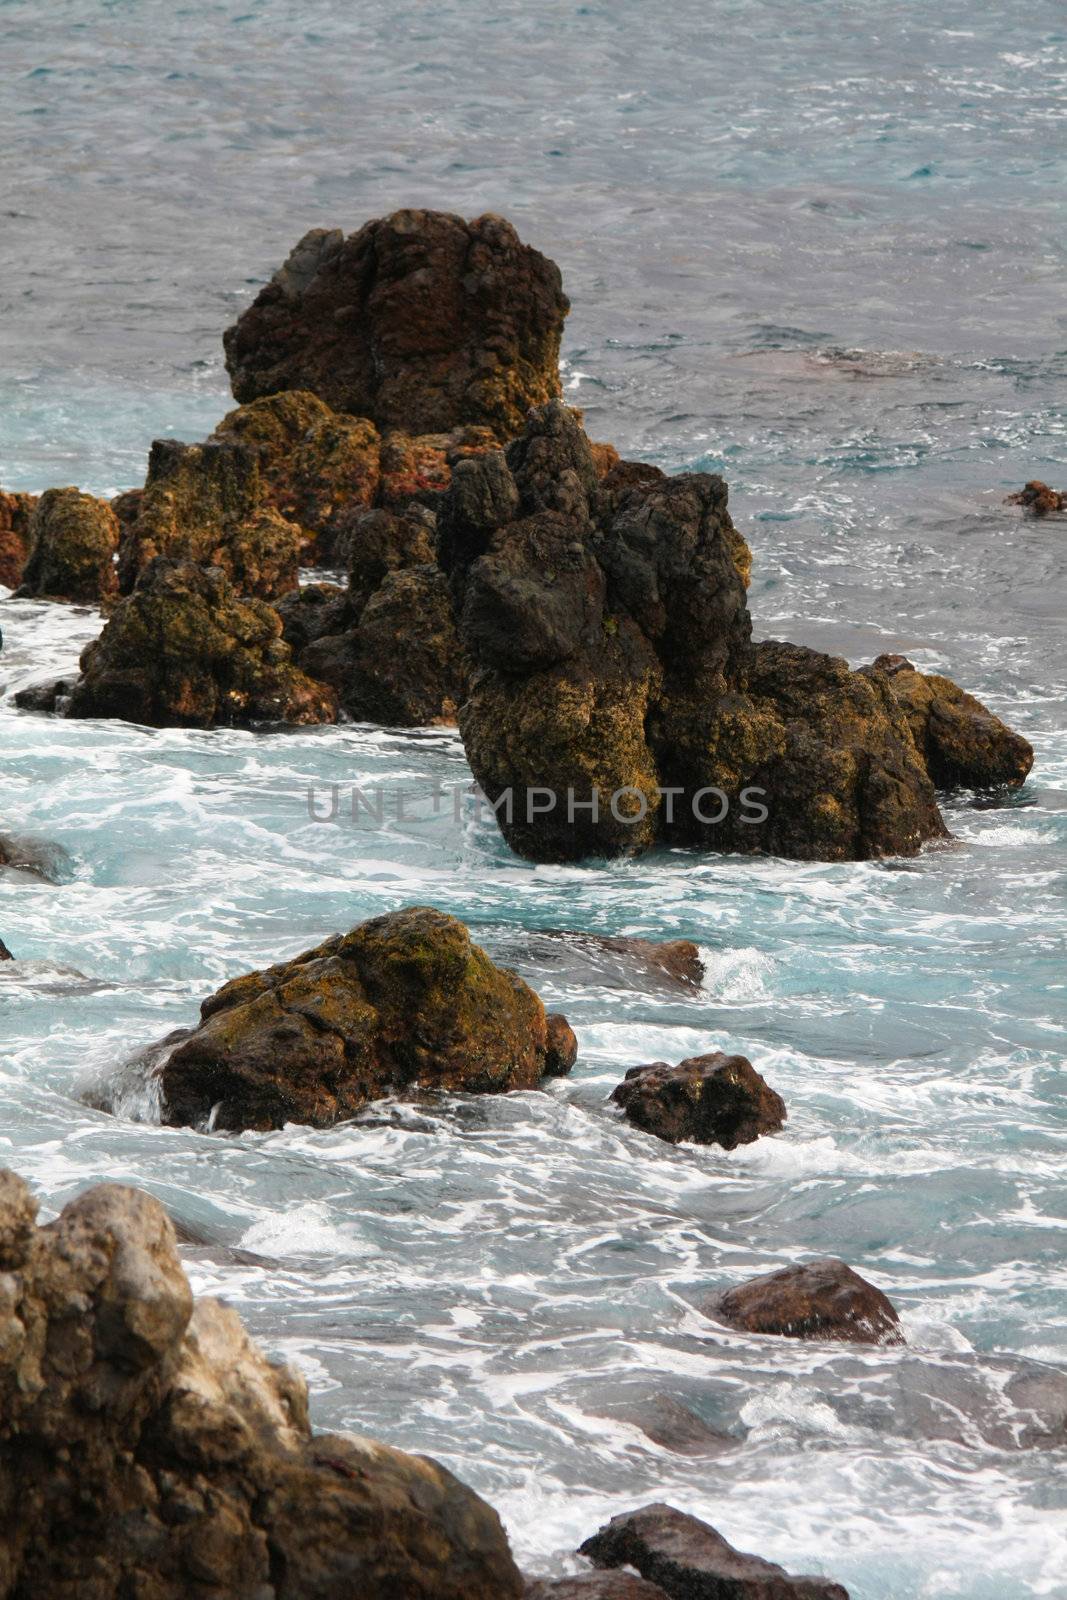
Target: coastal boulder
x=1037 y=498
x=420 y=321
x=689 y=1560
x=821 y=1299
x=73 y=538
x=149 y=1448
x=205 y=503
x=184 y=651
x=403 y=1004
x=16 y=511
x=711 y=1099
x=961 y=743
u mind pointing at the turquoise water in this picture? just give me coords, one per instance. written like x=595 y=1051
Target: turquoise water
x=821 y=248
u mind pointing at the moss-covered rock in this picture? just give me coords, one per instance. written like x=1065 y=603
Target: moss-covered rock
x=420 y=321
x=962 y=744
x=73 y=539
x=403 y=1004
x=184 y=651
x=205 y=503
x=16 y=512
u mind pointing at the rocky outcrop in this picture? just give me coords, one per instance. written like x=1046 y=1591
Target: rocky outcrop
x=184 y=651
x=712 y=1099
x=403 y=1004
x=1037 y=498
x=205 y=503
x=73 y=538
x=962 y=744
x=377 y=544
x=822 y=1299
x=420 y=322
x=689 y=1560
x=5 y=953
x=16 y=511
x=595 y=1586
x=616 y=698
x=148 y=1448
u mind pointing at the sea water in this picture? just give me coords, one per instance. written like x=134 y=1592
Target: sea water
x=818 y=247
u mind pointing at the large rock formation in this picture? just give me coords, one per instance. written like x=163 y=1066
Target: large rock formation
x=402 y=1004
x=73 y=538
x=689 y=1560
x=147 y=1447
x=206 y=503
x=183 y=651
x=712 y=1099
x=420 y=322
x=821 y=1299
x=16 y=511
x=616 y=697
x=962 y=744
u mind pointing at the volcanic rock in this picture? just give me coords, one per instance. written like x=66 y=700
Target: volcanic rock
x=1037 y=498
x=16 y=511
x=962 y=744
x=5 y=953
x=821 y=1299
x=711 y=1099
x=73 y=538
x=595 y=1586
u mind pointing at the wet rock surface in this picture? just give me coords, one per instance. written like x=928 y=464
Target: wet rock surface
x=73 y=538
x=16 y=511
x=148 y=1448
x=41 y=858
x=419 y=321
x=403 y=1004
x=1037 y=498
x=5 y=953
x=962 y=744
x=710 y=1099
x=595 y=1586
x=184 y=651
x=689 y=1560
x=821 y=1299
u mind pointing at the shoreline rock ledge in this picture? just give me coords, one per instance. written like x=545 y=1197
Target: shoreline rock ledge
x=149 y=1449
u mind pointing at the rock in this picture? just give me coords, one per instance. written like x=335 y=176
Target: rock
x=595 y=1586
x=961 y=743
x=127 y=507
x=821 y=1299
x=314 y=464
x=73 y=539
x=376 y=544
x=420 y=321
x=670 y=1424
x=150 y=1449
x=47 y=696
x=5 y=953
x=205 y=503
x=39 y=857
x=712 y=1099
x=16 y=513
x=401 y=664
x=608 y=960
x=402 y=1004
x=690 y=1561
x=1039 y=499
x=562 y=1046
x=311 y=611
x=183 y=651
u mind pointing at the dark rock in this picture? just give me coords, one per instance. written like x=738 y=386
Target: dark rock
x=183 y=651
x=420 y=321
x=149 y=1449
x=821 y=1299
x=39 y=857
x=672 y=1425
x=562 y=1046
x=127 y=507
x=712 y=1099
x=73 y=539
x=1037 y=498
x=608 y=960
x=690 y=1561
x=206 y=503
x=595 y=1586
x=16 y=512
x=403 y=1004
x=310 y=612
x=375 y=544
x=47 y=696
x=5 y=953
x=961 y=743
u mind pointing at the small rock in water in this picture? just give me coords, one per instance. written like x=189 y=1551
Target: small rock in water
x=1039 y=499
x=821 y=1299
x=671 y=1424
x=39 y=857
x=711 y=1099
x=689 y=1560
x=5 y=953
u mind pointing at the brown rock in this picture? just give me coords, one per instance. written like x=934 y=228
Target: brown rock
x=73 y=539
x=690 y=1561
x=376 y=544
x=711 y=1099
x=311 y=611
x=562 y=1046
x=822 y=1299
x=1037 y=498
x=594 y=1586
x=147 y=1448
x=5 y=953
x=961 y=743
x=420 y=321
x=16 y=512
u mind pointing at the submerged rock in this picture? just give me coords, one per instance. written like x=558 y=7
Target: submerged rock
x=183 y=651
x=147 y=1447
x=595 y=1586
x=669 y=1423
x=16 y=511
x=39 y=857
x=1038 y=498
x=712 y=1099
x=402 y=1004
x=73 y=538
x=821 y=1299
x=689 y=1560
x=420 y=321
x=609 y=960
x=205 y=503
x=962 y=744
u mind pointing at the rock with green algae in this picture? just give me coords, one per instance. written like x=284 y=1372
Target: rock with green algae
x=205 y=503
x=149 y=1448
x=403 y=1004
x=962 y=744
x=183 y=650
x=16 y=511
x=420 y=322
x=73 y=538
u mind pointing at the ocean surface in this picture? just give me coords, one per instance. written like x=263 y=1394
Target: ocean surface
x=818 y=246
